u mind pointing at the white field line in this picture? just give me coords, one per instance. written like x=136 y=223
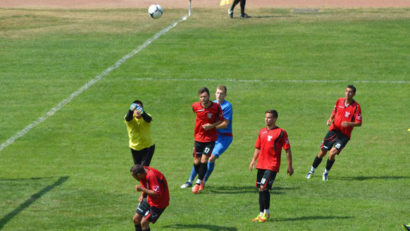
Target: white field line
x=60 y=105
x=277 y=80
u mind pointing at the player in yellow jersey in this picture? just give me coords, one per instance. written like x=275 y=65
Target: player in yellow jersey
x=139 y=133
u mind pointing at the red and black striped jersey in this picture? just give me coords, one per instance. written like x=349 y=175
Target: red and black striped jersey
x=211 y=114
x=348 y=113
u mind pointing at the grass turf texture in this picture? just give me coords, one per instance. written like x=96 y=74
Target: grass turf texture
x=71 y=172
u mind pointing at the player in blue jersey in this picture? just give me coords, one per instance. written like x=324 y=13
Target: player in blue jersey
x=225 y=137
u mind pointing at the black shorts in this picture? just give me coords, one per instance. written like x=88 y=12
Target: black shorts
x=203 y=148
x=151 y=213
x=265 y=178
x=144 y=156
x=334 y=138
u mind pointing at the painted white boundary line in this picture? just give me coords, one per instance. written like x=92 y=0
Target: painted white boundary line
x=60 y=105
x=277 y=80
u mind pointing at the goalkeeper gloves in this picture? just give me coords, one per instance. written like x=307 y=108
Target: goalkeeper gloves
x=140 y=110
x=133 y=106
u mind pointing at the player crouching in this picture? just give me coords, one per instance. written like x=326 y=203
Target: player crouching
x=154 y=196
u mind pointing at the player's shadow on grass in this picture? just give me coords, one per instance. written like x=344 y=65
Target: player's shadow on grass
x=310 y=218
x=243 y=189
x=31 y=199
x=362 y=178
x=200 y=226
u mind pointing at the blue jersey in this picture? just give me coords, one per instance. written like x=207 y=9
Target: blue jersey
x=227 y=113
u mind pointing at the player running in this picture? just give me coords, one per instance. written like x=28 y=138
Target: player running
x=208 y=117
x=224 y=139
x=268 y=148
x=154 y=196
x=345 y=116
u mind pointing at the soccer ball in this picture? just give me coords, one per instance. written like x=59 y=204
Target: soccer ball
x=155 y=11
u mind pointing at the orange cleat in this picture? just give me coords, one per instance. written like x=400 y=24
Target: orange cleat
x=195 y=189
x=201 y=186
x=256 y=218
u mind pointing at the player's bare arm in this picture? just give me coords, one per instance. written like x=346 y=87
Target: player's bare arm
x=209 y=126
x=289 y=157
x=224 y=124
x=147 y=191
x=351 y=124
x=254 y=159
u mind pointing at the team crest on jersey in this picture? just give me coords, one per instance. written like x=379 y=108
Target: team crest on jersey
x=269 y=138
x=347 y=114
x=210 y=115
x=156 y=188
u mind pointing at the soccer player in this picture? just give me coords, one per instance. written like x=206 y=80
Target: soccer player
x=154 y=196
x=224 y=139
x=208 y=117
x=267 y=155
x=139 y=133
x=345 y=116
x=235 y=2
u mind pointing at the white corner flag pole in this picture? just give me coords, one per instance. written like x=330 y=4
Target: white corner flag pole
x=189 y=8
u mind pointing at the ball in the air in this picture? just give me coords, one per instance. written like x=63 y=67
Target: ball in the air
x=155 y=11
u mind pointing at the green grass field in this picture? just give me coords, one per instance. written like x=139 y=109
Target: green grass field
x=71 y=172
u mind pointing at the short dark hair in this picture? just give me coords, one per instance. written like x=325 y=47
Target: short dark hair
x=273 y=112
x=137 y=169
x=138 y=102
x=352 y=87
x=222 y=87
x=202 y=90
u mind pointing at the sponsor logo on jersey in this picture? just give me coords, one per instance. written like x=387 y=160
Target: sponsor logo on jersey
x=210 y=115
x=347 y=114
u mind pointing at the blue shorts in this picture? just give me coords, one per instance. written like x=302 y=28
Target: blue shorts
x=221 y=144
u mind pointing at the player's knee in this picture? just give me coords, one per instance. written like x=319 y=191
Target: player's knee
x=204 y=159
x=136 y=219
x=322 y=153
x=333 y=153
x=144 y=223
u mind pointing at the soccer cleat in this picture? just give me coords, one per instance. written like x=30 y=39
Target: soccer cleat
x=230 y=13
x=309 y=174
x=195 y=189
x=324 y=176
x=245 y=16
x=186 y=185
x=264 y=217
x=406 y=227
x=201 y=186
x=256 y=218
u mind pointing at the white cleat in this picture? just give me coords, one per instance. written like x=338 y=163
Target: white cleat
x=324 y=176
x=186 y=185
x=309 y=174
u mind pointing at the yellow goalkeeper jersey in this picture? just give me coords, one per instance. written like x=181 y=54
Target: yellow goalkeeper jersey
x=139 y=133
